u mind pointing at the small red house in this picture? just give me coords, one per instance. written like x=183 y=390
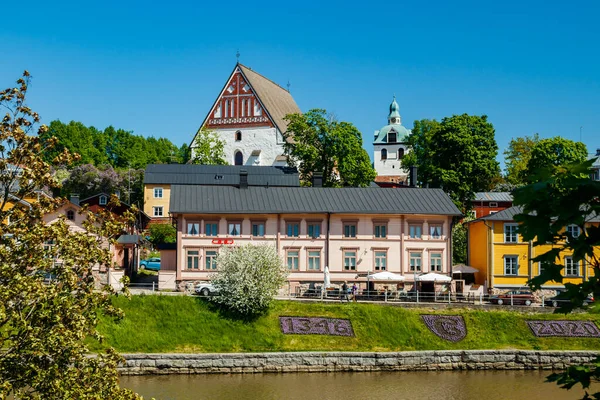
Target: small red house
x=486 y=203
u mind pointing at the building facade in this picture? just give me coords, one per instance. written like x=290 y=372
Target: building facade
x=486 y=203
x=248 y=116
x=389 y=147
x=353 y=231
x=505 y=260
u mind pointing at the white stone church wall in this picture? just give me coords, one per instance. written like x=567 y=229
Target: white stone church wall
x=265 y=139
x=392 y=166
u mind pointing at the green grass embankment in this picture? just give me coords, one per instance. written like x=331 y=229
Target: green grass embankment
x=161 y=324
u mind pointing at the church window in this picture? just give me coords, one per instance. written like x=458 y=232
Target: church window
x=257 y=109
x=392 y=137
x=248 y=106
x=243 y=108
x=238 y=136
x=239 y=158
x=400 y=153
x=384 y=154
x=226 y=108
x=218 y=111
x=231 y=112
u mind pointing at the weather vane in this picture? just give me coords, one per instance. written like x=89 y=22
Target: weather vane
x=237 y=55
x=288 y=85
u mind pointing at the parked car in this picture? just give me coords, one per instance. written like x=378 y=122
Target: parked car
x=151 y=264
x=518 y=297
x=558 y=300
x=206 y=289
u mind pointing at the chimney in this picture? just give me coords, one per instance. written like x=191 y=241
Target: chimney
x=412 y=176
x=317 y=179
x=75 y=199
x=243 y=179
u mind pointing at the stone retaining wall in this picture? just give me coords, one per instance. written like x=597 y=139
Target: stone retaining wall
x=148 y=364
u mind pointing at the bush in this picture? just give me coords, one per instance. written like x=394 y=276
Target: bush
x=249 y=278
x=162 y=233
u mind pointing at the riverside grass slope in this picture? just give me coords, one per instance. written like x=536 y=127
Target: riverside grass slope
x=184 y=324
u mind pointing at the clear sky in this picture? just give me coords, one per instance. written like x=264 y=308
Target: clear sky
x=156 y=68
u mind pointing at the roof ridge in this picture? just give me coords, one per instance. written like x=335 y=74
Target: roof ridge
x=264 y=77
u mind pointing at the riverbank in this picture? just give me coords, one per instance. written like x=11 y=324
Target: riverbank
x=163 y=364
x=184 y=324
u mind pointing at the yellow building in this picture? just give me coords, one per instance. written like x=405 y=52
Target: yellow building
x=504 y=259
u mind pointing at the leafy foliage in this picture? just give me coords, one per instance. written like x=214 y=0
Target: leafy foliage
x=459 y=241
x=43 y=325
x=248 y=278
x=457 y=154
x=316 y=143
x=208 y=149
x=115 y=147
x=88 y=180
x=162 y=233
x=554 y=152
x=516 y=158
x=565 y=195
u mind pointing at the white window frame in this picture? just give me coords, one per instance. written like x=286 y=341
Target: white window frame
x=292 y=257
x=515 y=265
x=312 y=258
x=573 y=230
x=415 y=231
x=193 y=224
x=439 y=265
x=380 y=260
x=570 y=265
x=349 y=259
x=415 y=261
x=510 y=234
x=103 y=200
x=210 y=260
x=158 y=211
x=436 y=226
x=158 y=193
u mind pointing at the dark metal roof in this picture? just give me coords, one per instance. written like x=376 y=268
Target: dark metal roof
x=509 y=214
x=131 y=239
x=258 y=200
x=504 y=215
x=221 y=175
x=493 y=196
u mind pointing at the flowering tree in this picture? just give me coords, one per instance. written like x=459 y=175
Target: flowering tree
x=249 y=278
x=43 y=325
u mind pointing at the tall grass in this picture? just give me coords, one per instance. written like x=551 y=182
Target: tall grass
x=190 y=324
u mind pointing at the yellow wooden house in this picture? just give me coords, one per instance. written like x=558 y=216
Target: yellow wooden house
x=504 y=259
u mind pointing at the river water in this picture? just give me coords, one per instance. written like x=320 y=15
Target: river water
x=451 y=385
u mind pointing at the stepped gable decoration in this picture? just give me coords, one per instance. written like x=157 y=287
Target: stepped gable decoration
x=449 y=327
x=316 y=326
x=564 y=328
x=248 y=99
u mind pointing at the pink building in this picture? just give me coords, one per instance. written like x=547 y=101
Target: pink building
x=353 y=231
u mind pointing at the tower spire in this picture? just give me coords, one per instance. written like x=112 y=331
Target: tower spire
x=394 y=116
x=237 y=56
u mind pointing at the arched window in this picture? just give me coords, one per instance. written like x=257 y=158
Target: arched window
x=70 y=215
x=103 y=200
x=400 y=153
x=238 y=136
x=238 y=158
x=384 y=154
x=392 y=137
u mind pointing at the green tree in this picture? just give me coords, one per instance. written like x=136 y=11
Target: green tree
x=248 y=278
x=459 y=241
x=316 y=143
x=516 y=158
x=565 y=195
x=207 y=149
x=162 y=233
x=457 y=154
x=43 y=326
x=554 y=152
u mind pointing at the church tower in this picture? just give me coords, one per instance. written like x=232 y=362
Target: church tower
x=389 y=148
x=248 y=117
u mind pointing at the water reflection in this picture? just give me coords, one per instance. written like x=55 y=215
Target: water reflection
x=468 y=385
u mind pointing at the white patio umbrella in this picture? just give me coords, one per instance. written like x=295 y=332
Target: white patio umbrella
x=326 y=278
x=433 y=277
x=385 y=276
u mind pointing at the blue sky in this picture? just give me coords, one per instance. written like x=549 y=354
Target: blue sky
x=531 y=66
